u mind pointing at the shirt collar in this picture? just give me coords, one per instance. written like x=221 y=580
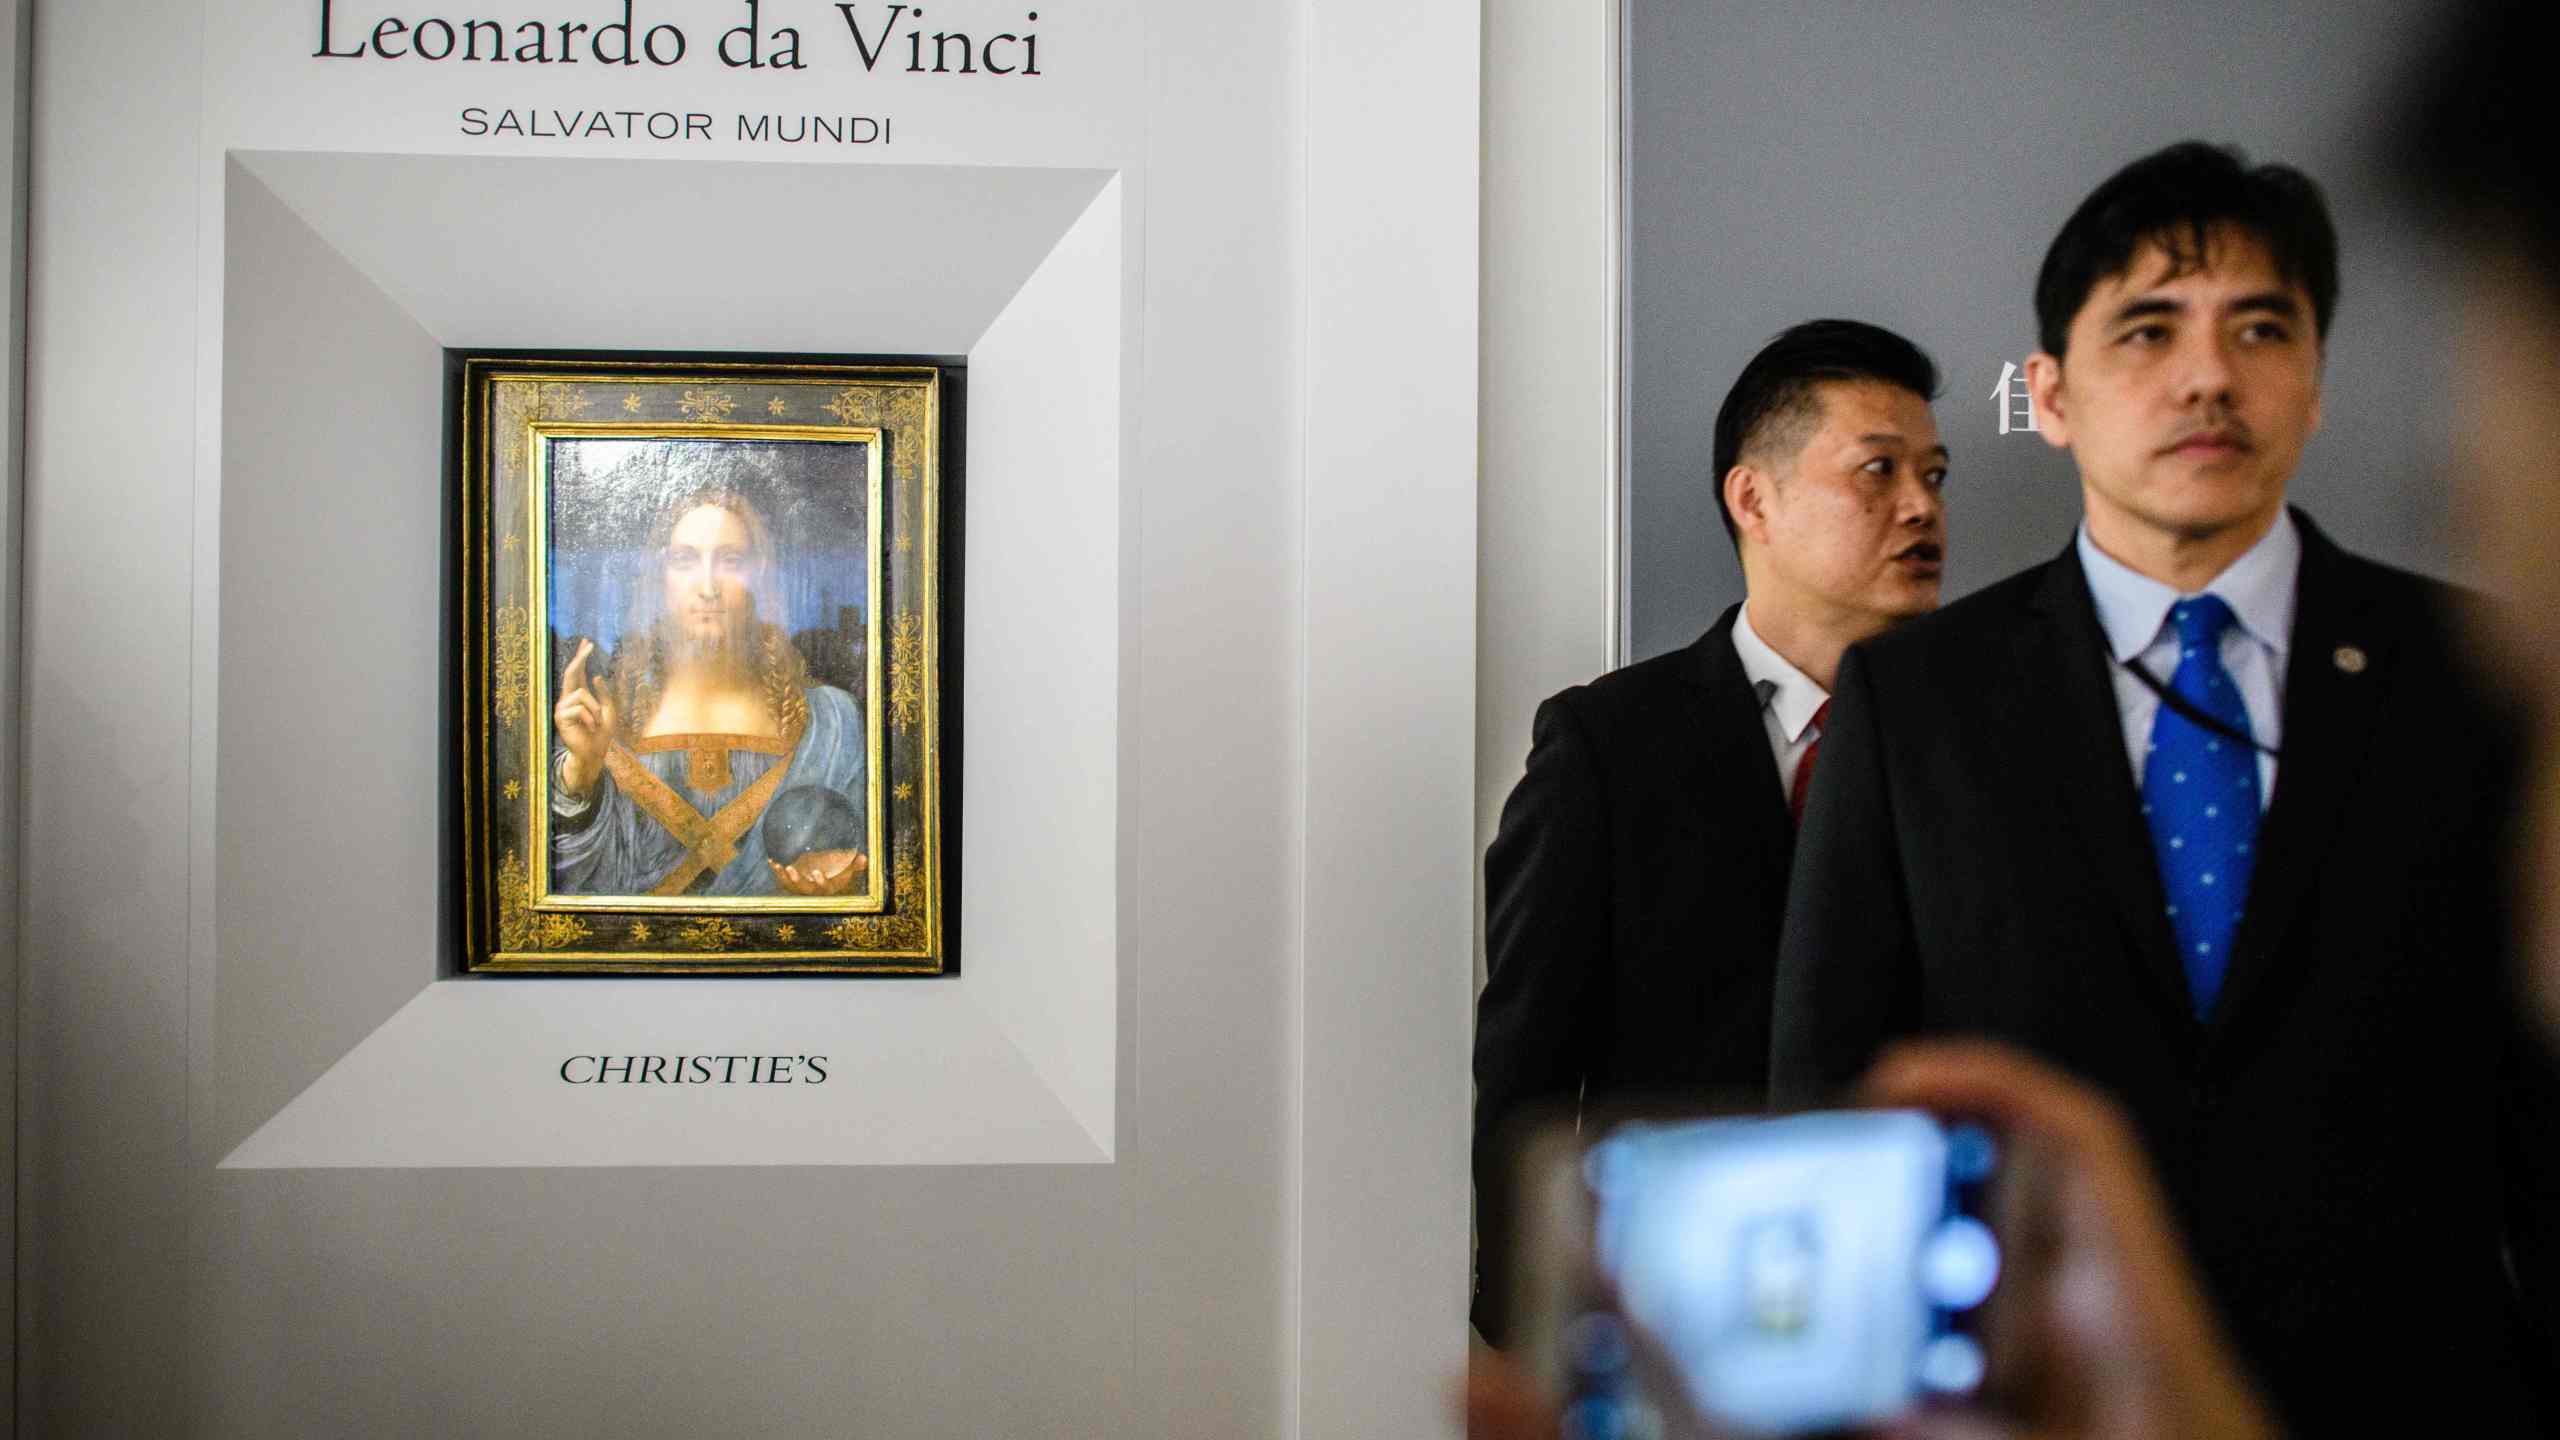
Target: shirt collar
x=1784 y=688
x=2258 y=587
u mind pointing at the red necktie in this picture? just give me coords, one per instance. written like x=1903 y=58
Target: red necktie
x=1804 y=766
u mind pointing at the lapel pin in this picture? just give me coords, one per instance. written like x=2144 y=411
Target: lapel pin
x=2349 y=658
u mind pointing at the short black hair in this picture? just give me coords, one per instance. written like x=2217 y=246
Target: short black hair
x=1776 y=390
x=2468 y=111
x=2174 y=198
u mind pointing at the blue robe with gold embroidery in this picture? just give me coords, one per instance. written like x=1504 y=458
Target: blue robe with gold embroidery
x=608 y=844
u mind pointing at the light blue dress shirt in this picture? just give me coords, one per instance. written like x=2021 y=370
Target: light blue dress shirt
x=2133 y=610
x=1789 y=698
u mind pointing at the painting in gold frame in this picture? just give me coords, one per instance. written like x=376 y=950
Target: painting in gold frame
x=703 y=660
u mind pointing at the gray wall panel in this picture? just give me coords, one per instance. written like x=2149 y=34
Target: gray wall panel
x=1908 y=164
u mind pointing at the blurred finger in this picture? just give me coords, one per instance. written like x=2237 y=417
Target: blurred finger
x=1500 y=1403
x=1946 y=1425
x=575 y=677
x=1998 y=1084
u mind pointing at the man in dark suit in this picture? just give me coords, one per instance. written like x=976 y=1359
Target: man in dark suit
x=1634 y=889
x=2208 y=811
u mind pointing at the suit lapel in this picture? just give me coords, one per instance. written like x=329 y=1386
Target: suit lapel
x=2334 y=677
x=1736 y=781
x=2076 y=735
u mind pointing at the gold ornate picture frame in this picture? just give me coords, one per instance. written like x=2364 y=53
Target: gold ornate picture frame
x=702 y=658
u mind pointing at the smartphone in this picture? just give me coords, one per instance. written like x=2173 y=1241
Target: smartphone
x=1760 y=1274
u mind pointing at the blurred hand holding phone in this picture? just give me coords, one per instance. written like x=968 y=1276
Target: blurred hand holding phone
x=1987 y=1257
x=1792 y=1273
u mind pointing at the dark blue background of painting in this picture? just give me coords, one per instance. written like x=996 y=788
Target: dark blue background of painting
x=607 y=495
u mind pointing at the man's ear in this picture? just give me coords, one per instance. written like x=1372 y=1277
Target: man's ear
x=1746 y=499
x=2044 y=389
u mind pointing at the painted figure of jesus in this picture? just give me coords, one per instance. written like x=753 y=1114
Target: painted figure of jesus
x=708 y=762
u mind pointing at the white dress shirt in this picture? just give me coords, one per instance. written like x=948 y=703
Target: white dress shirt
x=1788 y=698
x=2133 y=610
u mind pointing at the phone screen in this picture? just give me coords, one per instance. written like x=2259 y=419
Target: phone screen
x=1791 y=1273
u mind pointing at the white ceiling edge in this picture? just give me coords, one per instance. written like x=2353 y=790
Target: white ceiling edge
x=685 y=255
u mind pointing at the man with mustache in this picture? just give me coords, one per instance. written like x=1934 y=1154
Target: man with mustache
x=1635 y=887
x=2212 y=813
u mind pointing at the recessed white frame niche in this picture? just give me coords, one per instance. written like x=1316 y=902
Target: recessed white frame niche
x=340 y=1037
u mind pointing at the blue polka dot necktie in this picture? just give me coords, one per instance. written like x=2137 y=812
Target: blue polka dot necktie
x=2200 y=796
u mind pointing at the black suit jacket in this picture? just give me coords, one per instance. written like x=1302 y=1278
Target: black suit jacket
x=1633 y=895
x=2356 y=1133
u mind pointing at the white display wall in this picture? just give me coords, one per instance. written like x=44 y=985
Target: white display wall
x=1178 y=1152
